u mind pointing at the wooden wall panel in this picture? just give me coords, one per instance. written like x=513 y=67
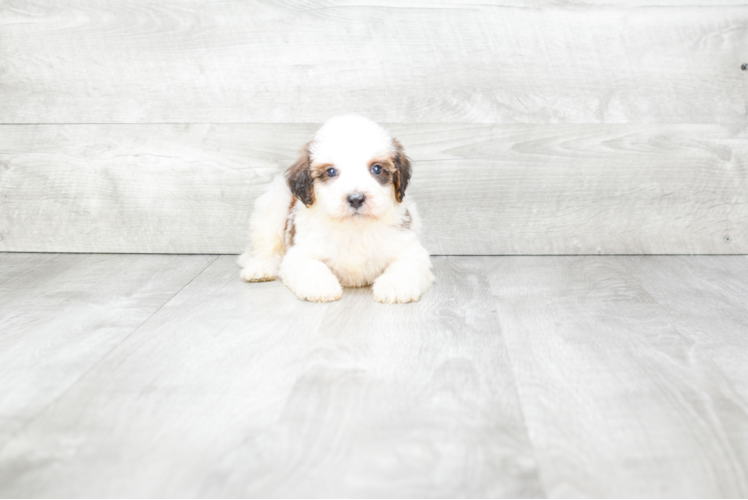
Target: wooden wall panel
x=555 y=126
x=482 y=189
x=146 y=61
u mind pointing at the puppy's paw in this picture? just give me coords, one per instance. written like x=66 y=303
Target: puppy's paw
x=392 y=289
x=323 y=288
x=259 y=270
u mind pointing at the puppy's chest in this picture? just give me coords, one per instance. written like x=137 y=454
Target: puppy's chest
x=356 y=257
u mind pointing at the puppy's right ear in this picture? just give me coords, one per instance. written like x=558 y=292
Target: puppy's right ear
x=299 y=178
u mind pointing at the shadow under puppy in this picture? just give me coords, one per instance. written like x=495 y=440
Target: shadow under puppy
x=340 y=219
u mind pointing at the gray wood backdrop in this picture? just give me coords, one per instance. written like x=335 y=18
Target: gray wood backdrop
x=537 y=127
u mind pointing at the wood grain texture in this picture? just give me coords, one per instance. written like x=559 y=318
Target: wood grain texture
x=701 y=295
x=146 y=188
x=620 y=398
x=146 y=61
x=481 y=189
x=236 y=389
x=61 y=314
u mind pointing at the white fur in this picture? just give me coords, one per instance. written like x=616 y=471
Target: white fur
x=336 y=245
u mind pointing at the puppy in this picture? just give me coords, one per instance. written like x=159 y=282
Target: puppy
x=340 y=219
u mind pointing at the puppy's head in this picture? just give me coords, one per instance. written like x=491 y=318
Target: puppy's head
x=352 y=169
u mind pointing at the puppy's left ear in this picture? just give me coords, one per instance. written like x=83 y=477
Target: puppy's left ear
x=401 y=175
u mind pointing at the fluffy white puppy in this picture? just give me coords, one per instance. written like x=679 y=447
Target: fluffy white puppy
x=340 y=218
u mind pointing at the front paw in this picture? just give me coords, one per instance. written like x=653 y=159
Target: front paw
x=392 y=289
x=323 y=288
x=259 y=270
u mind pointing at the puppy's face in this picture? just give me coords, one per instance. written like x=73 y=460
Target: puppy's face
x=352 y=169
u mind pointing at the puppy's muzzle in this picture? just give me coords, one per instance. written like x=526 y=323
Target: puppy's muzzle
x=356 y=199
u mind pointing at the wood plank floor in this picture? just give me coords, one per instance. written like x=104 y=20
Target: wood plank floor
x=156 y=375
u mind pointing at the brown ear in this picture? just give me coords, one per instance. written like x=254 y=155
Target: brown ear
x=401 y=176
x=299 y=178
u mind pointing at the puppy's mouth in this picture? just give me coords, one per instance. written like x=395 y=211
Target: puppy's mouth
x=358 y=213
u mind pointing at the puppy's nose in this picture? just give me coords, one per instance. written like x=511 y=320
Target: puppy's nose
x=356 y=199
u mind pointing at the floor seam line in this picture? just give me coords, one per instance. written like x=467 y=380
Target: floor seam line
x=515 y=384
x=517 y=391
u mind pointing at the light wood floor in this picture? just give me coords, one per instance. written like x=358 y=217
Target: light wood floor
x=156 y=375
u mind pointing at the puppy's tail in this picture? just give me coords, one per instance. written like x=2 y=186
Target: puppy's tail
x=268 y=224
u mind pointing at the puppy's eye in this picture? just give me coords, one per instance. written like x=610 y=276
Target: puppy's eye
x=376 y=169
x=331 y=172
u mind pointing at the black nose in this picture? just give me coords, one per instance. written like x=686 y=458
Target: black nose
x=356 y=199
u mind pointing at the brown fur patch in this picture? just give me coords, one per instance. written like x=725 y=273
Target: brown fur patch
x=319 y=171
x=290 y=229
x=388 y=169
x=299 y=177
x=402 y=173
x=407 y=221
